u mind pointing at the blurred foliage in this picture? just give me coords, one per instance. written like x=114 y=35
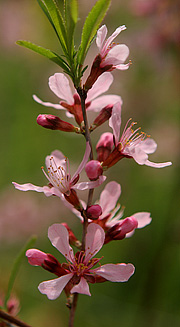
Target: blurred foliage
x=150 y=92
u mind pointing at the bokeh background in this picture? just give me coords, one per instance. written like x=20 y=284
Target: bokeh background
x=150 y=92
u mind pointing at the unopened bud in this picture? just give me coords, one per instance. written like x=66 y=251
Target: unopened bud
x=119 y=230
x=103 y=116
x=104 y=146
x=36 y=257
x=93 y=170
x=55 y=123
x=94 y=211
x=72 y=238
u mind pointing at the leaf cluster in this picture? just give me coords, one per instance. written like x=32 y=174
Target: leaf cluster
x=64 y=23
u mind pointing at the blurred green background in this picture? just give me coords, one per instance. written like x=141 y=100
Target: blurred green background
x=150 y=92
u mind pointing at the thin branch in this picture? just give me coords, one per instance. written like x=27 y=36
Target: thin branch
x=72 y=310
x=5 y=316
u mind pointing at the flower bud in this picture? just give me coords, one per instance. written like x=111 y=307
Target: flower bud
x=119 y=230
x=94 y=211
x=36 y=257
x=93 y=170
x=55 y=123
x=103 y=116
x=104 y=146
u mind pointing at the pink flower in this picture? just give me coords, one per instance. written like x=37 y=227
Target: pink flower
x=58 y=175
x=132 y=143
x=78 y=272
x=59 y=84
x=110 y=219
x=112 y=54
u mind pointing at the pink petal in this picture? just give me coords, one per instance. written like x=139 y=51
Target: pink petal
x=89 y=185
x=101 y=35
x=112 y=37
x=117 y=55
x=94 y=241
x=115 y=273
x=82 y=287
x=53 y=288
x=59 y=84
x=83 y=162
x=122 y=66
x=102 y=85
x=138 y=155
x=47 y=104
x=59 y=238
x=157 y=165
x=28 y=187
x=148 y=145
x=143 y=218
x=109 y=197
x=115 y=121
x=101 y=102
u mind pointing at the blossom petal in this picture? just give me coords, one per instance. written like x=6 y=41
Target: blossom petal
x=82 y=287
x=94 y=240
x=101 y=102
x=117 y=55
x=101 y=35
x=143 y=218
x=115 y=121
x=138 y=155
x=102 y=85
x=109 y=197
x=116 y=273
x=112 y=37
x=59 y=238
x=148 y=145
x=47 y=104
x=83 y=162
x=59 y=84
x=53 y=288
x=89 y=185
x=158 y=165
x=123 y=66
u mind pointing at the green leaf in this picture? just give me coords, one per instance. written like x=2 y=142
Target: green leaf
x=90 y=27
x=16 y=266
x=71 y=17
x=46 y=53
x=53 y=14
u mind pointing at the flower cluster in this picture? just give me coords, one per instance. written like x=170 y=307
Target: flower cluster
x=102 y=221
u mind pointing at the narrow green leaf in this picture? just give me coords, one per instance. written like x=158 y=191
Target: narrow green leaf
x=71 y=17
x=52 y=12
x=16 y=266
x=46 y=53
x=90 y=27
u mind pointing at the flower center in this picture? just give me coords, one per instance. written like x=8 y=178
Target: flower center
x=131 y=137
x=58 y=175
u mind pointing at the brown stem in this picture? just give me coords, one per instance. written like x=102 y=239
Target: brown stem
x=5 y=316
x=73 y=309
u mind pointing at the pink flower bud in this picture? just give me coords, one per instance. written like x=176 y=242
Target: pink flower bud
x=104 y=146
x=94 y=211
x=103 y=116
x=55 y=123
x=36 y=257
x=93 y=169
x=119 y=230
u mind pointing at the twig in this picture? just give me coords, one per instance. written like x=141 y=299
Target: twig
x=5 y=316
